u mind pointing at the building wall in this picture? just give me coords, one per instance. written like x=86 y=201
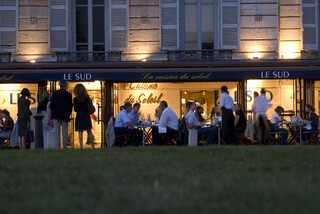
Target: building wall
x=269 y=29
x=33 y=39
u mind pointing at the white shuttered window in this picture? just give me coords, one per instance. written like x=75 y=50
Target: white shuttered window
x=118 y=23
x=229 y=25
x=310 y=24
x=169 y=24
x=59 y=25
x=8 y=25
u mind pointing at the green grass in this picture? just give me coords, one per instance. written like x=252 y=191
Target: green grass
x=226 y=179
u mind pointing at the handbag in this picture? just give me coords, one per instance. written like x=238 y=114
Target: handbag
x=50 y=122
x=29 y=137
x=91 y=108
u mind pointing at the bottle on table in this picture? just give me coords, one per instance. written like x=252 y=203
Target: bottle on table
x=143 y=120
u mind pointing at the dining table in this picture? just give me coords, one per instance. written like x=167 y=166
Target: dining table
x=218 y=126
x=146 y=133
x=295 y=130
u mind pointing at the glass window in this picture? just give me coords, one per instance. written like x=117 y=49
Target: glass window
x=90 y=24
x=198 y=24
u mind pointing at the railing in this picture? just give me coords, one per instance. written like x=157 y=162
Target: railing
x=177 y=55
x=173 y=55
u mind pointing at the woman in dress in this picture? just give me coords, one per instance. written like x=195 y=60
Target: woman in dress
x=24 y=114
x=83 y=120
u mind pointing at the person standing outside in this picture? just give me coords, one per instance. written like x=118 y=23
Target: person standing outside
x=61 y=109
x=226 y=105
x=24 y=114
x=83 y=120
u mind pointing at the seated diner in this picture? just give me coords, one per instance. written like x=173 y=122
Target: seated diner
x=169 y=121
x=194 y=123
x=123 y=125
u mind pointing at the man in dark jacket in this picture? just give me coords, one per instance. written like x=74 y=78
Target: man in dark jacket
x=61 y=108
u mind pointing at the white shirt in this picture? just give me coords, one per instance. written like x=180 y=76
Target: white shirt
x=132 y=115
x=226 y=101
x=274 y=116
x=122 y=119
x=191 y=118
x=261 y=104
x=169 y=119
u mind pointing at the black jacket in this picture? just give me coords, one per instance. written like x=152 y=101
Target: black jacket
x=61 y=105
x=183 y=133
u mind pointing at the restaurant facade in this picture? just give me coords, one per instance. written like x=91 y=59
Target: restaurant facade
x=147 y=51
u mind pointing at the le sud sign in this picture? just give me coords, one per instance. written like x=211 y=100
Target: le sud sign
x=274 y=74
x=77 y=76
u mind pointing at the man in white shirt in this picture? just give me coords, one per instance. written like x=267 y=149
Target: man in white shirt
x=169 y=120
x=193 y=122
x=123 y=123
x=134 y=114
x=261 y=126
x=260 y=105
x=226 y=105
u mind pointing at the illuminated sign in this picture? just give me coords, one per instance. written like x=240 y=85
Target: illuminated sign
x=77 y=76
x=275 y=74
x=144 y=99
x=6 y=77
x=143 y=86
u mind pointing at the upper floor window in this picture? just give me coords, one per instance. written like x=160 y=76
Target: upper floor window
x=198 y=26
x=90 y=25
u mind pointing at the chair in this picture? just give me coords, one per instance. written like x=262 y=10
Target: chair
x=5 y=143
x=312 y=135
x=192 y=135
x=115 y=140
x=275 y=137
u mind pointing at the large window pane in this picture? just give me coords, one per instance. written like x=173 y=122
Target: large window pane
x=207 y=24
x=98 y=24
x=82 y=2
x=190 y=26
x=82 y=24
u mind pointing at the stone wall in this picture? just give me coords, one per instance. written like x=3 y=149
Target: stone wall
x=33 y=34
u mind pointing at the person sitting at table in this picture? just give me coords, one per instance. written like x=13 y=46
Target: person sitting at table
x=240 y=122
x=312 y=117
x=169 y=120
x=199 y=112
x=123 y=123
x=7 y=126
x=187 y=108
x=276 y=122
x=193 y=122
x=134 y=114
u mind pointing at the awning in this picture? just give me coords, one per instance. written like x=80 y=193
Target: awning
x=159 y=74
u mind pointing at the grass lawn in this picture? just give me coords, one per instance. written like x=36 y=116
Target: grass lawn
x=226 y=179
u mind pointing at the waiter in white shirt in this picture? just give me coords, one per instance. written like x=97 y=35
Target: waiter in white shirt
x=261 y=126
x=123 y=123
x=168 y=119
x=226 y=105
x=260 y=105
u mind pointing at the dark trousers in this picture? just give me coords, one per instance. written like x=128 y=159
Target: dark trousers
x=227 y=125
x=134 y=141
x=156 y=136
x=212 y=134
